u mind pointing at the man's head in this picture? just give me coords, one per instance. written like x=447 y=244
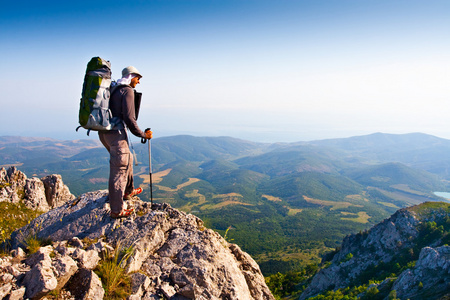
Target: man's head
x=136 y=76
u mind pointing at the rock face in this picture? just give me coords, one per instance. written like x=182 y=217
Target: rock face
x=382 y=244
x=174 y=255
x=429 y=278
x=43 y=194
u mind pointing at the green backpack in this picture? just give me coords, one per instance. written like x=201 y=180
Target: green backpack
x=94 y=111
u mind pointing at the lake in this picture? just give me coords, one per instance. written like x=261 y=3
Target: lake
x=443 y=195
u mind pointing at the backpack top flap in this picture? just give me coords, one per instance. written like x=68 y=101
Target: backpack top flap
x=97 y=63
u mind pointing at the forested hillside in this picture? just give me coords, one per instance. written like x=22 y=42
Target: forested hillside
x=285 y=203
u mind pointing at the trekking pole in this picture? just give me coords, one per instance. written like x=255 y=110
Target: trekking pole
x=143 y=141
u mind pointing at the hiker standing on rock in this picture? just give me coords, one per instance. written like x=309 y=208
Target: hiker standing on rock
x=124 y=104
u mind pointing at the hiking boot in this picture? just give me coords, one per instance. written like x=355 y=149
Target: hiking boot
x=132 y=194
x=123 y=214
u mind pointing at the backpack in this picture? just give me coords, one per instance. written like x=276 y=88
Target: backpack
x=94 y=111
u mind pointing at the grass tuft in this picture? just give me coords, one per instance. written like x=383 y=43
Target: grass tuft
x=111 y=270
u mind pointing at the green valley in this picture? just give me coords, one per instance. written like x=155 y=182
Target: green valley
x=285 y=204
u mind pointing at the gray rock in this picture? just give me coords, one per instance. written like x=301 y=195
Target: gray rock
x=139 y=283
x=63 y=268
x=5 y=278
x=17 y=294
x=18 y=253
x=384 y=242
x=430 y=278
x=35 y=193
x=86 y=285
x=15 y=177
x=86 y=259
x=3 y=175
x=40 y=280
x=5 y=289
x=76 y=242
x=42 y=254
x=56 y=192
x=172 y=253
x=168 y=290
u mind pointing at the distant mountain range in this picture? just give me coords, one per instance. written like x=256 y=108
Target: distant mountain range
x=277 y=201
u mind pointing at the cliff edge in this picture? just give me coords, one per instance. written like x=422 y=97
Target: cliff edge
x=171 y=255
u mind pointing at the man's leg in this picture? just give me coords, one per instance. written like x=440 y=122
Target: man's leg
x=130 y=181
x=119 y=163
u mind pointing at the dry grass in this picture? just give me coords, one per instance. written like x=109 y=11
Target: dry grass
x=389 y=204
x=156 y=177
x=226 y=203
x=111 y=270
x=334 y=205
x=363 y=217
x=293 y=211
x=357 y=197
x=229 y=196
x=180 y=186
x=272 y=198
x=195 y=195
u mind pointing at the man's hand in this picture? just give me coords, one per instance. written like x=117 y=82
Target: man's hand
x=148 y=133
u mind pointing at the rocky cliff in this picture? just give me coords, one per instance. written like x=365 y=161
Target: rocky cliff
x=386 y=248
x=171 y=255
x=43 y=194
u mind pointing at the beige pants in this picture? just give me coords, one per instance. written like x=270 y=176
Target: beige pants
x=121 y=166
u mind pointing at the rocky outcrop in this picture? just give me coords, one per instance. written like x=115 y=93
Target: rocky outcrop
x=41 y=194
x=428 y=278
x=382 y=244
x=174 y=256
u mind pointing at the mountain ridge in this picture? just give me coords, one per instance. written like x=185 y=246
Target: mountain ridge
x=290 y=191
x=411 y=234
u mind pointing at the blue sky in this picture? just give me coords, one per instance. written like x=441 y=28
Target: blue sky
x=276 y=71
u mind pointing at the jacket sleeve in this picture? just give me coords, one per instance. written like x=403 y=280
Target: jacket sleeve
x=128 y=113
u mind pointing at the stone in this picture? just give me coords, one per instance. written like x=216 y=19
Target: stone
x=76 y=242
x=86 y=285
x=40 y=280
x=42 y=254
x=18 y=253
x=64 y=267
x=168 y=290
x=7 y=277
x=17 y=294
x=34 y=195
x=56 y=192
x=86 y=259
x=3 y=175
x=101 y=248
x=5 y=289
x=139 y=283
x=15 y=177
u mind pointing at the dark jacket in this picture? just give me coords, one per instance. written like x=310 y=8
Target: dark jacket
x=122 y=105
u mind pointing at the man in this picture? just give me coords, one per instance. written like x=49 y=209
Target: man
x=123 y=106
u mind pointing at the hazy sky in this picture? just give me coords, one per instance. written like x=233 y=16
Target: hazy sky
x=280 y=70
